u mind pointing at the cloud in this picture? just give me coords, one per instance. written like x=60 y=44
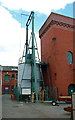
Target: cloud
x=9 y=37
x=67 y=11
x=43 y=6
x=12 y=38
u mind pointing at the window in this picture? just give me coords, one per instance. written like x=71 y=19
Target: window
x=70 y=57
x=55 y=74
x=54 y=38
x=13 y=76
x=7 y=78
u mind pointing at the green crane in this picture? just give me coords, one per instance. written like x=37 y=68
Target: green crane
x=33 y=63
x=30 y=77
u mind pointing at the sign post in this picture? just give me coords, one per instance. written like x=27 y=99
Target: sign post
x=73 y=106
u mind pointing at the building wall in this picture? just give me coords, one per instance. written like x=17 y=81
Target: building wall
x=0 y=79
x=56 y=41
x=11 y=82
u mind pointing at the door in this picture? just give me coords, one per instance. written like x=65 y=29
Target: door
x=6 y=89
x=71 y=89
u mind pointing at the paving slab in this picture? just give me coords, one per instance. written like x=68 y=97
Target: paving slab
x=17 y=109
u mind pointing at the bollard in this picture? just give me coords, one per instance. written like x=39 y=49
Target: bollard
x=33 y=96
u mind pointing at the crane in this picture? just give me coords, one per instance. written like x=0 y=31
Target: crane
x=29 y=70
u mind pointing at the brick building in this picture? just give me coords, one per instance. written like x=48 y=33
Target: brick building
x=9 y=79
x=58 y=50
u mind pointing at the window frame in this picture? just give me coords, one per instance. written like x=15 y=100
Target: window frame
x=6 y=78
x=70 y=57
x=13 y=76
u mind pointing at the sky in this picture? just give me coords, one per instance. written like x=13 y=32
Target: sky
x=12 y=24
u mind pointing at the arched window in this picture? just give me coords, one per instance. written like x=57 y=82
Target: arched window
x=70 y=57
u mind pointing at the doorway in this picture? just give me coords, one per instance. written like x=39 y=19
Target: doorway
x=71 y=89
x=6 y=89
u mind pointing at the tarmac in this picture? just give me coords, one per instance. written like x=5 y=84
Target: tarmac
x=18 y=109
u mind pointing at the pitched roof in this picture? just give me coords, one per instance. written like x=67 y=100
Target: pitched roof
x=10 y=68
x=57 y=19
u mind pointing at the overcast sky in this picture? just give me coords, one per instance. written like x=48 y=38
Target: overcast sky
x=12 y=24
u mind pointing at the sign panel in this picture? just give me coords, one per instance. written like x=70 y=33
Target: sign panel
x=26 y=91
x=6 y=88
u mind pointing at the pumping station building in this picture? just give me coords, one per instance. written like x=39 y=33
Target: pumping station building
x=57 y=37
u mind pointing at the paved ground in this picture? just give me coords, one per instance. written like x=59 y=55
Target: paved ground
x=15 y=109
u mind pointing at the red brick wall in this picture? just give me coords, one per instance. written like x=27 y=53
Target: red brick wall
x=60 y=73
x=12 y=82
